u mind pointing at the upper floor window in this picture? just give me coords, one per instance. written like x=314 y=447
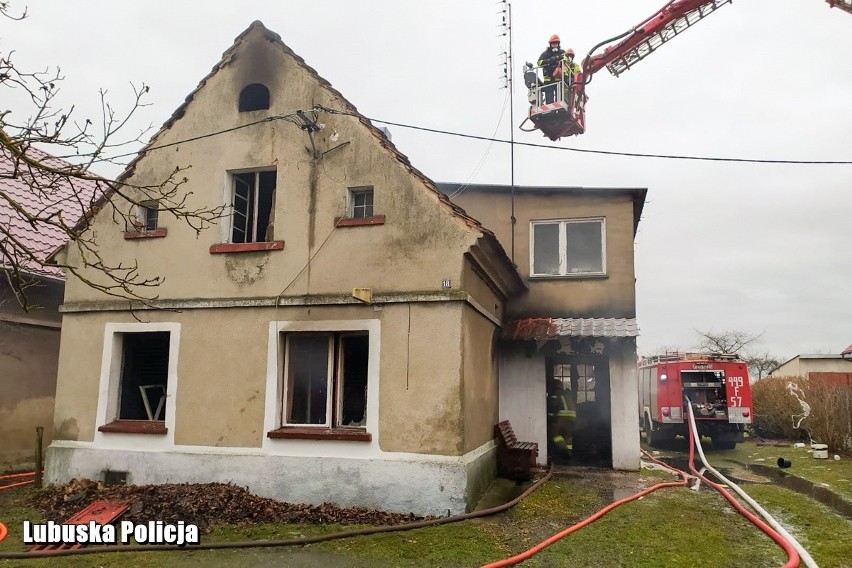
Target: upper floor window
x=254 y=97
x=574 y=247
x=361 y=202
x=253 y=201
x=148 y=214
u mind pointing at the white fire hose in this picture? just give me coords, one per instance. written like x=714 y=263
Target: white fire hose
x=803 y=554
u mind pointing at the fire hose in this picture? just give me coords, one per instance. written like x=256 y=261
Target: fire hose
x=3 y=478
x=285 y=542
x=529 y=553
x=791 y=546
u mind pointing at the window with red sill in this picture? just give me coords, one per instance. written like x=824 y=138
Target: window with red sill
x=143 y=383
x=324 y=391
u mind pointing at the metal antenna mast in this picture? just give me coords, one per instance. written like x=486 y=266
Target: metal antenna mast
x=507 y=76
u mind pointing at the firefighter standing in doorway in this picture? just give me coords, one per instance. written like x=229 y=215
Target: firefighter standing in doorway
x=561 y=414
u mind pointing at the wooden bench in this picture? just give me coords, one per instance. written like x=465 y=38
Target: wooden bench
x=515 y=459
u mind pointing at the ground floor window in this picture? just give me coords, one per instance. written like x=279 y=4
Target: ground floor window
x=144 y=375
x=325 y=379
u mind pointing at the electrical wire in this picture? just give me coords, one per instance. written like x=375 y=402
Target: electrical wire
x=461 y=189
x=589 y=151
x=293 y=117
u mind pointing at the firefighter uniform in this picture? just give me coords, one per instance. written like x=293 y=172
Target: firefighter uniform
x=561 y=415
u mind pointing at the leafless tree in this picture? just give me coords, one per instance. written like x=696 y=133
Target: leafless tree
x=55 y=202
x=762 y=364
x=732 y=341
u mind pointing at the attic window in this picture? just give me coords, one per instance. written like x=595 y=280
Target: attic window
x=254 y=97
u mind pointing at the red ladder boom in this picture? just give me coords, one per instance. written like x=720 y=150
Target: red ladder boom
x=669 y=21
x=845 y=5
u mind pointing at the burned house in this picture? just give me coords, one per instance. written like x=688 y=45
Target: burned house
x=337 y=336
x=574 y=328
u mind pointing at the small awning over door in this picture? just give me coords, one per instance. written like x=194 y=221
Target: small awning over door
x=543 y=329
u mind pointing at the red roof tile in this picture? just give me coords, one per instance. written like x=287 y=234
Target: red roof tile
x=39 y=194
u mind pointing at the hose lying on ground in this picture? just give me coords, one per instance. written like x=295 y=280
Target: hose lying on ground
x=776 y=531
x=283 y=542
x=529 y=553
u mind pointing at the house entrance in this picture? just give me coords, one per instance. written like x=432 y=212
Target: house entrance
x=578 y=410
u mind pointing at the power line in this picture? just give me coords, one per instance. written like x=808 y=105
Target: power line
x=294 y=118
x=603 y=152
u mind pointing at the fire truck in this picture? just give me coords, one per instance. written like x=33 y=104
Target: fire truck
x=565 y=114
x=716 y=385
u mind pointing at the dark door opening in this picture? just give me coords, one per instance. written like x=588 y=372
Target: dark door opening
x=578 y=410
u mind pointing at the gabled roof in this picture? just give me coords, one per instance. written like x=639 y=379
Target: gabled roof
x=39 y=194
x=347 y=108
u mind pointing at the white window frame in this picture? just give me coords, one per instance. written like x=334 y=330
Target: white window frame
x=276 y=365
x=231 y=193
x=361 y=190
x=563 y=249
x=334 y=372
x=110 y=383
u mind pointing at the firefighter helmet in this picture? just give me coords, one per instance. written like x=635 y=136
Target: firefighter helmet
x=554 y=39
x=570 y=52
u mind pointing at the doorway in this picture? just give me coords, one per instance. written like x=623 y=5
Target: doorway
x=578 y=410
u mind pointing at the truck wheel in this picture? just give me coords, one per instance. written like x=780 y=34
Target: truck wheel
x=655 y=439
x=722 y=444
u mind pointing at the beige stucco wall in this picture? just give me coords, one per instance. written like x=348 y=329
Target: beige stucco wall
x=610 y=296
x=222 y=370
x=481 y=388
x=419 y=245
x=29 y=354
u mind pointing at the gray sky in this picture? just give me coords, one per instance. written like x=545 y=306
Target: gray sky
x=763 y=248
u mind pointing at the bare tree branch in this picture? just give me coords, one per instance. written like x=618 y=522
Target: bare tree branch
x=57 y=196
x=732 y=341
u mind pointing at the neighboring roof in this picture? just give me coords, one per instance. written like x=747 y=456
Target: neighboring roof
x=540 y=329
x=637 y=193
x=843 y=355
x=40 y=194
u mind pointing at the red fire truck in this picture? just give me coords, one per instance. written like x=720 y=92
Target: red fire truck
x=716 y=385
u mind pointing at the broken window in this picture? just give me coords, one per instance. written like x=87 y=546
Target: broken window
x=326 y=379
x=254 y=97
x=253 y=202
x=360 y=202
x=568 y=248
x=149 y=212
x=144 y=375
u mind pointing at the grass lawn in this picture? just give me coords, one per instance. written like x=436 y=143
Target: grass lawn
x=672 y=527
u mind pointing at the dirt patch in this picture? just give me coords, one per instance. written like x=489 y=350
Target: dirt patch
x=201 y=504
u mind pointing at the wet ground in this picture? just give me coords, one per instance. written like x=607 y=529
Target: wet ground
x=752 y=474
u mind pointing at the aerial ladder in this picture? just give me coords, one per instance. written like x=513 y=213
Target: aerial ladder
x=845 y=5
x=565 y=113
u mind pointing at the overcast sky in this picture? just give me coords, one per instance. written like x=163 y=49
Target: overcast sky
x=762 y=248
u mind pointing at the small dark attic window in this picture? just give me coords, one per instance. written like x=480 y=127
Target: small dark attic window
x=254 y=97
